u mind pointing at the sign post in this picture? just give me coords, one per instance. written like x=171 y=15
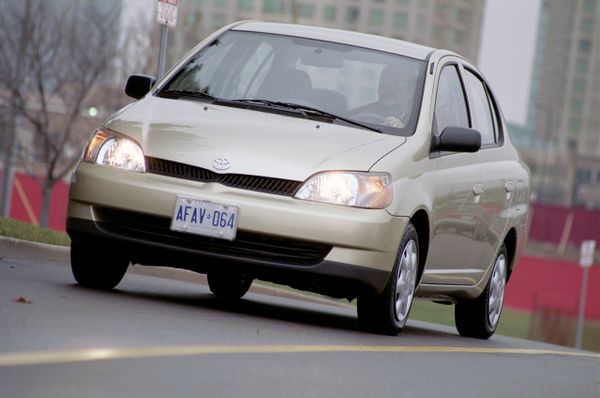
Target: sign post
x=166 y=15
x=586 y=259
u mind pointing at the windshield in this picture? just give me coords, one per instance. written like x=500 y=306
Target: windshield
x=371 y=87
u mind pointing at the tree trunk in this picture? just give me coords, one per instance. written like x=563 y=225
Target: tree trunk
x=15 y=84
x=8 y=159
x=46 y=199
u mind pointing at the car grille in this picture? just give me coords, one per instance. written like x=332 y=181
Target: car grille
x=169 y=168
x=247 y=245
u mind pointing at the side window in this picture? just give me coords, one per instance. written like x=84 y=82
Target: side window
x=480 y=108
x=450 y=105
x=496 y=116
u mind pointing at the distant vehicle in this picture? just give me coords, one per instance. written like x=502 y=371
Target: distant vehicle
x=337 y=162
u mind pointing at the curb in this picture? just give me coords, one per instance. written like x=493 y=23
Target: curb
x=23 y=250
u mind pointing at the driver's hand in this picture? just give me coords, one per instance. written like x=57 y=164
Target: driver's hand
x=394 y=122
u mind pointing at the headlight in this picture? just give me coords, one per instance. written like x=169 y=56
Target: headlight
x=111 y=149
x=367 y=190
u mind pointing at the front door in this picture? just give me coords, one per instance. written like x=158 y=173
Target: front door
x=455 y=246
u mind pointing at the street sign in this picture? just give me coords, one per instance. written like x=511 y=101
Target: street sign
x=166 y=12
x=586 y=254
x=586 y=259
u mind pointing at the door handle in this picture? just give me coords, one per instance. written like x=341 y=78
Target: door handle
x=478 y=189
x=510 y=187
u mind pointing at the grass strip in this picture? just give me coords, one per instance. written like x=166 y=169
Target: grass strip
x=515 y=323
x=20 y=230
x=512 y=323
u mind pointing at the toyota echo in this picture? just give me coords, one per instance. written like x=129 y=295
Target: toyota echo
x=336 y=162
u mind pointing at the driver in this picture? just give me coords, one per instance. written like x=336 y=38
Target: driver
x=397 y=84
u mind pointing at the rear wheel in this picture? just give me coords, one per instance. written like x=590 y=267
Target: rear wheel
x=97 y=267
x=228 y=285
x=388 y=312
x=479 y=318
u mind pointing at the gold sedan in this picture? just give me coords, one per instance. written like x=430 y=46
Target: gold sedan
x=346 y=164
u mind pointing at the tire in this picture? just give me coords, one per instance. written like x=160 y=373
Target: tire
x=388 y=312
x=97 y=267
x=478 y=318
x=231 y=286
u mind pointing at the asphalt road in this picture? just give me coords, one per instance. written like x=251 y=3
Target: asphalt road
x=154 y=337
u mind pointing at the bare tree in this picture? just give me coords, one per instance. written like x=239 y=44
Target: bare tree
x=64 y=51
x=14 y=67
x=137 y=53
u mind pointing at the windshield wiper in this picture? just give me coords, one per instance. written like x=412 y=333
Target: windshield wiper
x=303 y=110
x=307 y=111
x=267 y=104
x=171 y=93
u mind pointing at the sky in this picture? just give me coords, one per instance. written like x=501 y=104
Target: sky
x=506 y=53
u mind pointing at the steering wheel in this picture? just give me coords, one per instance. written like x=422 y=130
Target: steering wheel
x=300 y=102
x=374 y=118
x=369 y=117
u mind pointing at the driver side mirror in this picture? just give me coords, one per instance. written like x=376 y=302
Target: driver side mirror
x=139 y=85
x=457 y=139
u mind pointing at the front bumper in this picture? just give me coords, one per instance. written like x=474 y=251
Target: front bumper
x=350 y=251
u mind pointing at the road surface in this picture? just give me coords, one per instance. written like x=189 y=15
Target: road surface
x=155 y=337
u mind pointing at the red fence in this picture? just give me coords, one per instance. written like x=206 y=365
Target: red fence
x=27 y=200
x=550 y=222
x=546 y=283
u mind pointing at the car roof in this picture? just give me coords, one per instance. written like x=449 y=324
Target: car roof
x=381 y=43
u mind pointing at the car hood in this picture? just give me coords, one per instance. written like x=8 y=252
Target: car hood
x=253 y=142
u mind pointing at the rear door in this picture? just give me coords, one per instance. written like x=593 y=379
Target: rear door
x=498 y=168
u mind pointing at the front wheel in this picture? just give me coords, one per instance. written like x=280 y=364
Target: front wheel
x=232 y=286
x=97 y=267
x=479 y=318
x=388 y=312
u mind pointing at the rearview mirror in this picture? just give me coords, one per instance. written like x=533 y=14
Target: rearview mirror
x=457 y=139
x=139 y=85
x=323 y=59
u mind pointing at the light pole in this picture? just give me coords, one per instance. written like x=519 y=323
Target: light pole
x=294 y=11
x=586 y=259
x=162 y=53
x=166 y=15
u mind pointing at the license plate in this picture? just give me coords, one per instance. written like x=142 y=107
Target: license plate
x=206 y=218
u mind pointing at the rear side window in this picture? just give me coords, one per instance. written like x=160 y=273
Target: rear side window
x=450 y=105
x=480 y=108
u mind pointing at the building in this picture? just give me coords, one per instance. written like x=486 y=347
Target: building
x=450 y=24
x=564 y=107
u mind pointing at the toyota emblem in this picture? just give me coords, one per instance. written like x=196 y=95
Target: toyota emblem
x=221 y=163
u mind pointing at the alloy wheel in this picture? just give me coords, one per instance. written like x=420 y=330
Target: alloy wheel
x=406 y=281
x=497 y=288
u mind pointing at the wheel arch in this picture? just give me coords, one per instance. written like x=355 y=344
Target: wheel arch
x=420 y=220
x=510 y=242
